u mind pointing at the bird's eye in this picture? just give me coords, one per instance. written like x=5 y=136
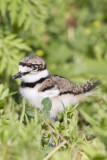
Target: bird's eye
x=35 y=70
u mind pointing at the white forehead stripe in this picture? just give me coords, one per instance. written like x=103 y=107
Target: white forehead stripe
x=24 y=68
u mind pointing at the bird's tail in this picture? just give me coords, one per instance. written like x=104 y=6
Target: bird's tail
x=86 y=88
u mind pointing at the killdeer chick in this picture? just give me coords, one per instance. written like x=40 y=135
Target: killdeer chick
x=37 y=84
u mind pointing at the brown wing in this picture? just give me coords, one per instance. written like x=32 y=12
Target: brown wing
x=66 y=86
x=58 y=82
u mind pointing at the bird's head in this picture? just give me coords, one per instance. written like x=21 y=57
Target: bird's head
x=31 y=69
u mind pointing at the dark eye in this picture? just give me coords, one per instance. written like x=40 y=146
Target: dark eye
x=35 y=70
x=35 y=67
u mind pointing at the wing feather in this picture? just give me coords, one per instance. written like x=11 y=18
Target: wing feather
x=56 y=82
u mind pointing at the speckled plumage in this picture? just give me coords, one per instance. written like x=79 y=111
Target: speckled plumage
x=33 y=62
x=65 y=86
x=38 y=83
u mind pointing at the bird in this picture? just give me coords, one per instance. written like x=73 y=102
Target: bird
x=38 y=83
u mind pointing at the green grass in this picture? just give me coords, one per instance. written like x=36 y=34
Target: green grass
x=71 y=36
x=25 y=135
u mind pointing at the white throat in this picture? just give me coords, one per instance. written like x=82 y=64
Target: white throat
x=35 y=77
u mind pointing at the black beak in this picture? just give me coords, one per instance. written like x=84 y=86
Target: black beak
x=18 y=75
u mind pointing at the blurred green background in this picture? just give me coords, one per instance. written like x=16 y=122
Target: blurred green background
x=71 y=35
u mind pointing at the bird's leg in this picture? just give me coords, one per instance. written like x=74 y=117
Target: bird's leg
x=51 y=137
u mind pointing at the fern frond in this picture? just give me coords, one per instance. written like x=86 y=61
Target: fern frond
x=11 y=51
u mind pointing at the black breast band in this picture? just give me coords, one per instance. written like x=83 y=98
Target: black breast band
x=31 y=85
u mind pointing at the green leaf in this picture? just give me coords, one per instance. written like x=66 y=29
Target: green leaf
x=30 y=112
x=2 y=103
x=88 y=118
x=1 y=88
x=47 y=105
x=3 y=7
x=14 y=7
x=11 y=94
x=46 y=102
x=11 y=48
x=5 y=93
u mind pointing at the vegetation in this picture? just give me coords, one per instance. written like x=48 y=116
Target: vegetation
x=71 y=36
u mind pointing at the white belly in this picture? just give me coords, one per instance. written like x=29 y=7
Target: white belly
x=64 y=101
x=32 y=96
x=35 y=98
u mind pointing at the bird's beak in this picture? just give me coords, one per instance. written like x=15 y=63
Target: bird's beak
x=18 y=75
